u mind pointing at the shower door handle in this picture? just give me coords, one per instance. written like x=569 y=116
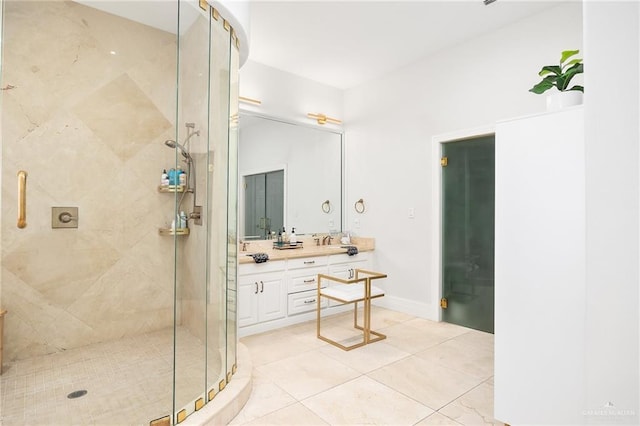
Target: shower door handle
x=22 y=199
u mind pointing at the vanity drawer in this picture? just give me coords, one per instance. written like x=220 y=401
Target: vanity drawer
x=257 y=268
x=304 y=302
x=307 y=262
x=345 y=258
x=305 y=279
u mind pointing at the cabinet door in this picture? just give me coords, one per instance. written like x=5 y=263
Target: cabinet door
x=346 y=271
x=342 y=271
x=248 y=290
x=272 y=300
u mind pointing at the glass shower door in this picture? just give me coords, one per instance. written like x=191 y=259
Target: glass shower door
x=468 y=233
x=264 y=201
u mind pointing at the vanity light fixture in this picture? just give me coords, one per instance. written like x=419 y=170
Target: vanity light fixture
x=249 y=100
x=323 y=119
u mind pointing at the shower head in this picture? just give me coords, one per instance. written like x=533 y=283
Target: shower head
x=173 y=144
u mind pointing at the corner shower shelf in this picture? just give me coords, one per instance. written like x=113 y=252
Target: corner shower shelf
x=171 y=188
x=169 y=231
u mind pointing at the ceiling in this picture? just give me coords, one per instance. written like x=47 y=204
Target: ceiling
x=347 y=43
x=344 y=43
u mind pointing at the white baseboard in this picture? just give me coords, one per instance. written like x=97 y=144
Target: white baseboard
x=411 y=307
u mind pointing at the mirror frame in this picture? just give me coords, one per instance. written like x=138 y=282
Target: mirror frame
x=343 y=190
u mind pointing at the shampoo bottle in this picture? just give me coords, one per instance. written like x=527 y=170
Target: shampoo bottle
x=183 y=220
x=182 y=176
x=173 y=177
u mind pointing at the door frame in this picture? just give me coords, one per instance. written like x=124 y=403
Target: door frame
x=242 y=232
x=436 y=206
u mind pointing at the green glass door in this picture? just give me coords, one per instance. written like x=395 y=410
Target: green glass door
x=264 y=203
x=468 y=233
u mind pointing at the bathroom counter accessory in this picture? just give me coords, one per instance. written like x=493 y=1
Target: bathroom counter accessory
x=170 y=231
x=287 y=246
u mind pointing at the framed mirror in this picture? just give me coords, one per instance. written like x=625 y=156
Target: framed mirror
x=291 y=175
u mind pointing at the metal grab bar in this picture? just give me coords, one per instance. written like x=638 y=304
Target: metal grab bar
x=22 y=199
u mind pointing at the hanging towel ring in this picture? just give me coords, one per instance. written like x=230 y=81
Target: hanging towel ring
x=326 y=207
x=359 y=206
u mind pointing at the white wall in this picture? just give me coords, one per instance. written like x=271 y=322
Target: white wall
x=612 y=42
x=288 y=96
x=389 y=126
x=390 y=123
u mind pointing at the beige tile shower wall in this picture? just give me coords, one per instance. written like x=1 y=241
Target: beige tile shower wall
x=88 y=125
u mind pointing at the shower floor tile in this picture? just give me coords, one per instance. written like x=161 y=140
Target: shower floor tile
x=128 y=382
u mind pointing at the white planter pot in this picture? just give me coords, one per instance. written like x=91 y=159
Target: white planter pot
x=560 y=100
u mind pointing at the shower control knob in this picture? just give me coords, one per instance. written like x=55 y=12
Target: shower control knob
x=65 y=217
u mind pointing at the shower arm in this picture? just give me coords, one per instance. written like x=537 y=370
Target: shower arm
x=192 y=167
x=190 y=133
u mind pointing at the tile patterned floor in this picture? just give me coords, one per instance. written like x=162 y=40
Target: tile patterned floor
x=129 y=382
x=424 y=373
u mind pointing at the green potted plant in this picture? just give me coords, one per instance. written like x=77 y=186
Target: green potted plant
x=559 y=77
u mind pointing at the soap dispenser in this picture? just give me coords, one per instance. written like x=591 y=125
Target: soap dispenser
x=285 y=236
x=292 y=237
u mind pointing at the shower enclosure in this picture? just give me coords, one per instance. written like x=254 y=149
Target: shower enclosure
x=124 y=316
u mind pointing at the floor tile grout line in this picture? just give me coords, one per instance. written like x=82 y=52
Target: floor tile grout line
x=460 y=396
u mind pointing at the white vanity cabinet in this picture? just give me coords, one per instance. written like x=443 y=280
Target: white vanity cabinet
x=344 y=266
x=302 y=277
x=278 y=293
x=261 y=293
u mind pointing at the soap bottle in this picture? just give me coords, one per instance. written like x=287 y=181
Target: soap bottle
x=292 y=237
x=164 y=178
x=183 y=220
x=285 y=236
x=182 y=176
